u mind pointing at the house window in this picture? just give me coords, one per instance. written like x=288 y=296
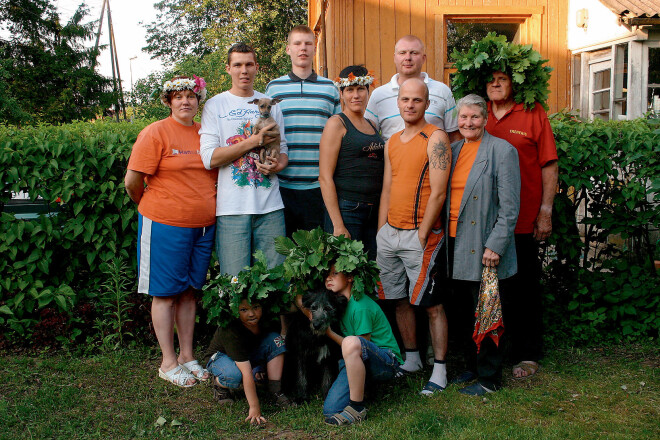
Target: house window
x=600 y=84
x=461 y=32
x=653 y=99
x=620 y=95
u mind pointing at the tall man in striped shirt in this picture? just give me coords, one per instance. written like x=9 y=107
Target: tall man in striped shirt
x=308 y=100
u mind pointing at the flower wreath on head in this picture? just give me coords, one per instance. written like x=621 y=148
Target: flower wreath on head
x=196 y=84
x=256 y=284
x=352 y=80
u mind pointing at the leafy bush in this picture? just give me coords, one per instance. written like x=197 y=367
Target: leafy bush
x=601 y=282
x=55 y=261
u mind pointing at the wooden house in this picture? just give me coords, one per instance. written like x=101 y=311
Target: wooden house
x=365 y=31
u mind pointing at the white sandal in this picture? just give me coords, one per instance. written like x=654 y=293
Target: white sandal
x=177 y=376
x=196 y=370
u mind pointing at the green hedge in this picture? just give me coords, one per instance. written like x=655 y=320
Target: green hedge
x=601 y=283
x=594 y=290
x=54 y=262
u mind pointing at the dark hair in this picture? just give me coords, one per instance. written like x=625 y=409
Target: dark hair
x=359 y=70
x=301 y=28
x=240 y=47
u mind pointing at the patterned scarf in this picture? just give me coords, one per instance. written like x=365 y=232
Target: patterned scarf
x=488 y=315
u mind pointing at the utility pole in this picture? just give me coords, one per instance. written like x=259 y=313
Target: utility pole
x=130 y=67
x=116 y=76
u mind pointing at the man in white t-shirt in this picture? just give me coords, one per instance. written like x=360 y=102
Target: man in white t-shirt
x=249 y=208
x=409 y=57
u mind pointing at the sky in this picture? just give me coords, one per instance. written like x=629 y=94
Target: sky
x=130 y=35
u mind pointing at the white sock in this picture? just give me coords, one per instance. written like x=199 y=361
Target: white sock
x=413 y=362
x=439 y=375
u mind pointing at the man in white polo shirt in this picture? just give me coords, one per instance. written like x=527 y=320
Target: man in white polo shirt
x=409 y=57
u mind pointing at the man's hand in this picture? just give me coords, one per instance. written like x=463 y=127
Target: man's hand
x=260 y=139
x=255 y=417
x=422 y=240
x=543 y=224
x=490 y=258
x=270 y=167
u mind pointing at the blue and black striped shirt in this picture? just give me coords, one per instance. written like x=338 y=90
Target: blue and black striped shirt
x=306 y=106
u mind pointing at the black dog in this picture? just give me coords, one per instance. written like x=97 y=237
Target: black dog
x=311 y=360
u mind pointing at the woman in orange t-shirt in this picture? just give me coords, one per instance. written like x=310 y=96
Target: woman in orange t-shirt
x=176 y=224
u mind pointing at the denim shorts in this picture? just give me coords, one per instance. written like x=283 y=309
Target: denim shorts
x=225 y=370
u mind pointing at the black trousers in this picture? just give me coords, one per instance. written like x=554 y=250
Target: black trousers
x=303 y=209
x=487 y=364
x=521 y=303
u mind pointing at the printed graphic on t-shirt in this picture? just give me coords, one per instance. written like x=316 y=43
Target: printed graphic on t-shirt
x=374 y=150
x=244 y=169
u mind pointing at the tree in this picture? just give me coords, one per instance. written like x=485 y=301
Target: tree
x=45 y=70
x=188 y=30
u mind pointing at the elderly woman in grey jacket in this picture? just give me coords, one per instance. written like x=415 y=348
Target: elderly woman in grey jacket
x=482 y=204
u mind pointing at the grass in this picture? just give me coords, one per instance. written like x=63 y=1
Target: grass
x=608 y=393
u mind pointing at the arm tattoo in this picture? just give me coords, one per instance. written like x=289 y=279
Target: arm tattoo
x=439 y=157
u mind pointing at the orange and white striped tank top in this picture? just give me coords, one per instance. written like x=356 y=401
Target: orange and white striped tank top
x=411 y=188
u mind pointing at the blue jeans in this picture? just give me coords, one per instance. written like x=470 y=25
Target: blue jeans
x=361 y=220
x=239 y=236
x=381 y=365
x=225 y=370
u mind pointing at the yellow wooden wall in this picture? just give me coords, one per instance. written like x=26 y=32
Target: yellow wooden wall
x=365 y=31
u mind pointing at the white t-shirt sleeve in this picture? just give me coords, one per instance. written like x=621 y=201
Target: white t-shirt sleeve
x=209 y=134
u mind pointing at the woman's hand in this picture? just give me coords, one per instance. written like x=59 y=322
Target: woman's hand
x=490 y=258
x=341 y=230
x=255 y=417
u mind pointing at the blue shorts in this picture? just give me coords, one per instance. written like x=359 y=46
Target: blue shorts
x=171 y=258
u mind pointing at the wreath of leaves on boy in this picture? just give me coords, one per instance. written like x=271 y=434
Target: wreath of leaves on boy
x=310 y=254
x=475 y=67
x=309 y=257
x=257 y=284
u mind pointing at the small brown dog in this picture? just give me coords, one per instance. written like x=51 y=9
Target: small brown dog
x=265 y=119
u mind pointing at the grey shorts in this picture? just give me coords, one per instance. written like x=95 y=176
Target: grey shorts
x=401 y=259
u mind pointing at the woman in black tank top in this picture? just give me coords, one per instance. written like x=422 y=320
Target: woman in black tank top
x=351 y=163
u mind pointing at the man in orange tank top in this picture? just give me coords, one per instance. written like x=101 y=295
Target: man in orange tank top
x=410 y=236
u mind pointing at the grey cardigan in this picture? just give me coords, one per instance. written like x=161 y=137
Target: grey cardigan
x=489 y=209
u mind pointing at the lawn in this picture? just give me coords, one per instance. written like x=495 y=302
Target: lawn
x=609 y=393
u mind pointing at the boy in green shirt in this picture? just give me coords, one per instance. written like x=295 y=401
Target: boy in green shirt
x=369 y=350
